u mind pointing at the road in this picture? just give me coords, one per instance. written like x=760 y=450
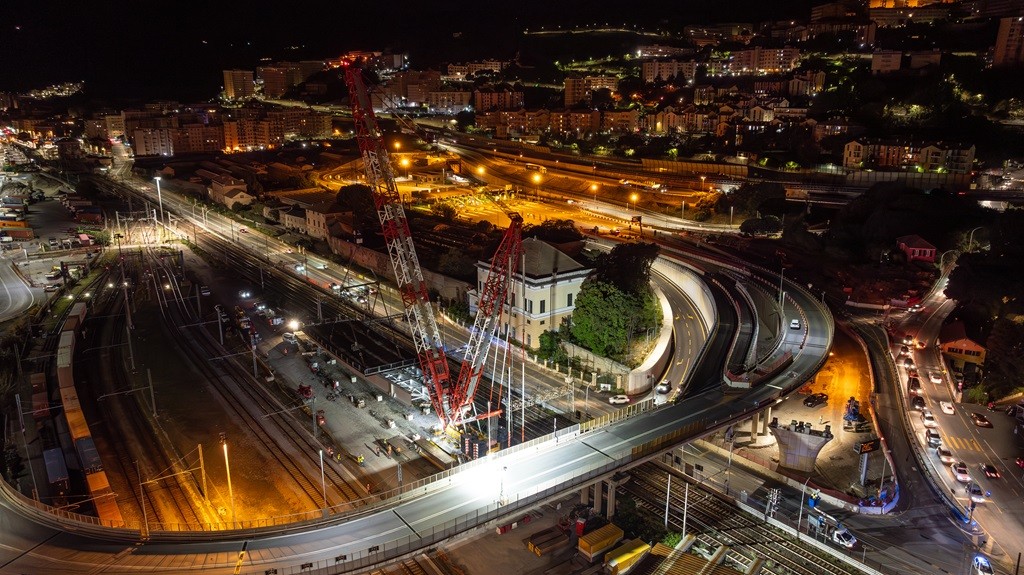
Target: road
x=16 y=297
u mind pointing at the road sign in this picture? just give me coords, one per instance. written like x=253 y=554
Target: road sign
x=868 y=446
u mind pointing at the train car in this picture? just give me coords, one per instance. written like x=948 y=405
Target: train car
x=77 y=426
x=71 y=324
x=38 y=381
x=65 y=357
x=78 y=310
x=88 y=455
x=104 y=499
x=56 y=471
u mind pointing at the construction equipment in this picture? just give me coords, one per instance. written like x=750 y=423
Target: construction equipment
x=449 y=399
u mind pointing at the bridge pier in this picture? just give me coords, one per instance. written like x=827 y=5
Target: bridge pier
x=799 y=444
x=766 y=417
x=753 y=428
x=585 y=496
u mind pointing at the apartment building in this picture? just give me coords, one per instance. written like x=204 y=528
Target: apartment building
x=239 y=84
x=1009 y=48
x=490 y=98
x=580 y=89
x=153 y=142
x=951 y=157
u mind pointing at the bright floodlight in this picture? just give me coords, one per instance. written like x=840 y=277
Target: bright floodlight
x=293 y=325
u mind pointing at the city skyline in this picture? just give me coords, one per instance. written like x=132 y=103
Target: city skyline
x=178 y=53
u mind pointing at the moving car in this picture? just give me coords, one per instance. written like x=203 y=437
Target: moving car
x=907 y=339
x=908 y=362
x=794 y=324
x=1020 y=462
x=842 y=536
x=960 y=472
x=911 y=371
x=946 y=407
x=917 y=402
x=618 y=399
x=989 y=470
x=300 y=268
x=904 y=350
x=289 y=337
x=945 y=455
x=928 y=419
x=932 y=437
x=981 y=566
x=664 y=387
x=52 y=288
x=975 y=492
x=980 y=420
x=934 y=377
x=816 y=399
x=914 y=386
x=243 y=231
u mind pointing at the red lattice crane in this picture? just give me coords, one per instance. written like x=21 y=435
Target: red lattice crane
x=450 y=400
x=493 y=296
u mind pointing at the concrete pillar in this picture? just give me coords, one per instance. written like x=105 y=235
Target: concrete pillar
x=753 y=428
x=585 y=498
x=766 y=416
x=611 y=484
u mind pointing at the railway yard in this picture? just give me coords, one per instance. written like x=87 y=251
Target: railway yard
x=203 y=424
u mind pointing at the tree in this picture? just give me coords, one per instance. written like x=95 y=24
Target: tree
x=359 y=199
x=1004 y=361
x=554 y=231
x=750 y=197
x=606 y=318
x=628 y=267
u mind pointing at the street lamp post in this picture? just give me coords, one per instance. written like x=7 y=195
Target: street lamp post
x=800 y=516
x=593 y=190
x=702 y=178
x=323 y=482
x=160 y=200
x=632 y=198
x=536 y=180
x=730 y=215
x=227 y=466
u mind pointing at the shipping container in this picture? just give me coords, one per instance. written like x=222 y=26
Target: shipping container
x=600 y=540
x=56 y=470
x=19 y=233
x=88 y=455
x=625 y=556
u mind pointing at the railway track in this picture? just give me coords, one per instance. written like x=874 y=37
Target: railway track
x=719 y=523
x=128 y=438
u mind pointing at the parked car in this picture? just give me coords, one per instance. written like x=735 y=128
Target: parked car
x=934 y=377
x=52 y=288
x=989 y=470
x=960 y=472
x=618 y=399
x=945 y=455
x=980 y=420
x=664 y=387
x=1020 y=462
x=946 y=407
x=289 y=337
x=816 y=399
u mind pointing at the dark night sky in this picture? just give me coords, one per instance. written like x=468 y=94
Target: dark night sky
x=145 y=49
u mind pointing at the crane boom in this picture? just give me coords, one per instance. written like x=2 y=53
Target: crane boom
x=493 y=295
x=416 y=301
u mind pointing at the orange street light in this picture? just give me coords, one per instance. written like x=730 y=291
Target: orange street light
x=632 y=198
x=593 y=189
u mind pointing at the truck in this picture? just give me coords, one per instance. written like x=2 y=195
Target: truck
x=625 y=556
x=547 y=540
x=593 y=544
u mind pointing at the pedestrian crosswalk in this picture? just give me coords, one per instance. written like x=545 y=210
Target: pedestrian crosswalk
x=961 y=443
